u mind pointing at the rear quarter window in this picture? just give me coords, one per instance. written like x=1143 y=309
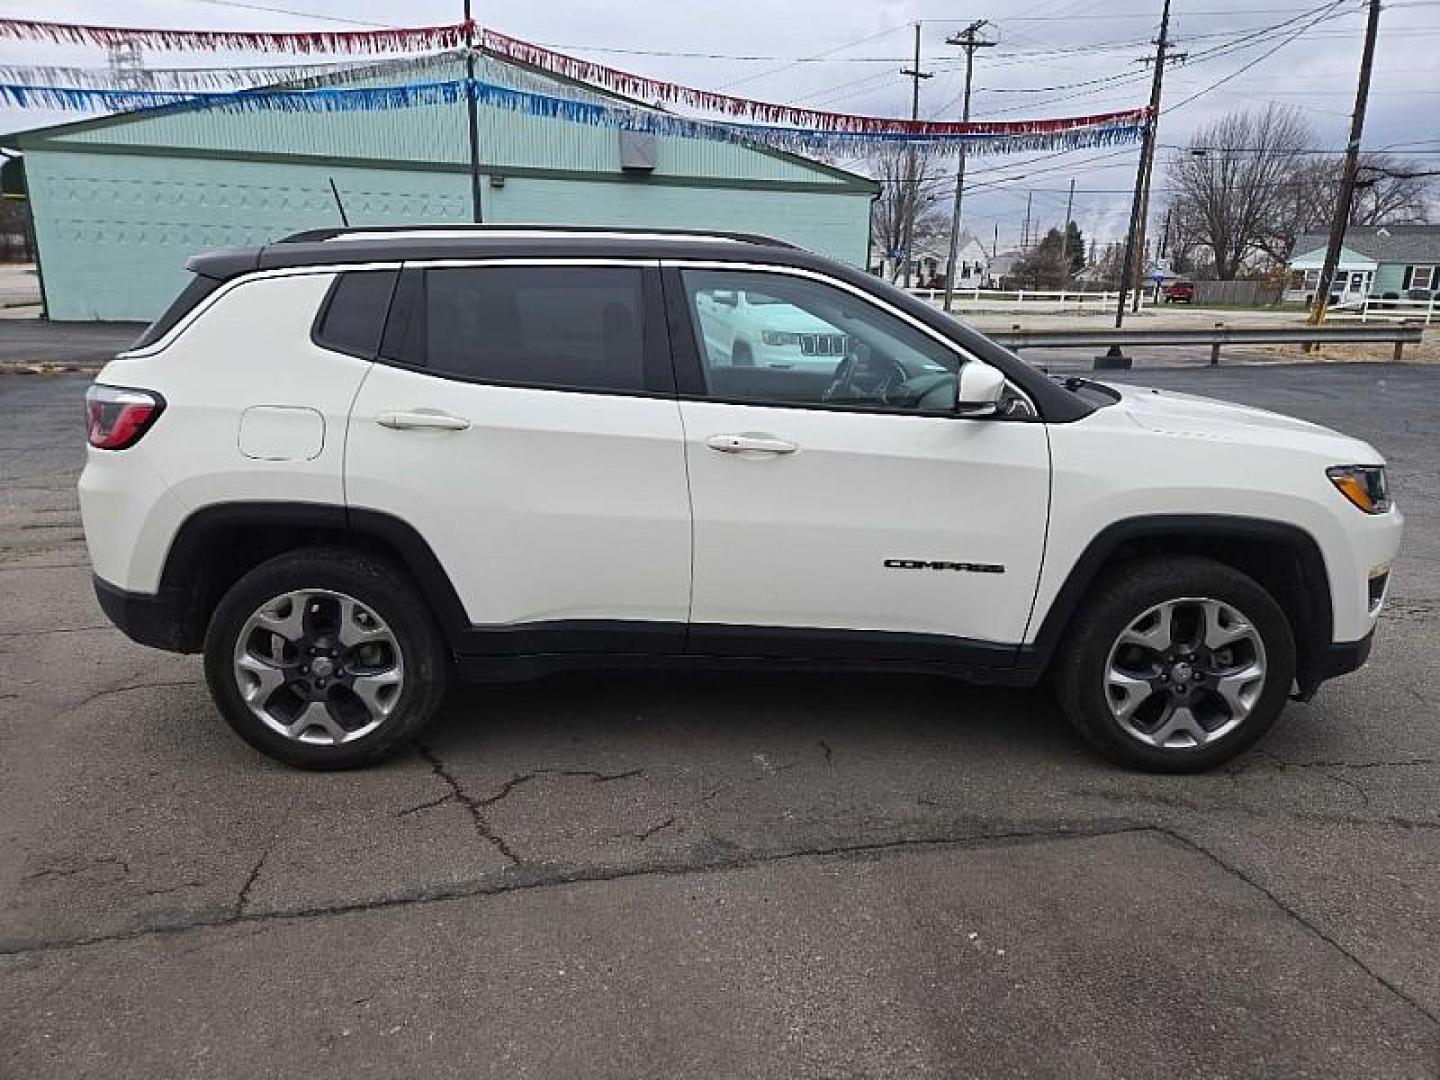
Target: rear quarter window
x=353 y=316
x=197 y=290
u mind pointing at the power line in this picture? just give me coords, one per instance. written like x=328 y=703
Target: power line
x=292 y=11
x=814 y=56
x=1243 y=40
x=1294 y=36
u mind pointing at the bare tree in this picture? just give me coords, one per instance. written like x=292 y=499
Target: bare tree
x=1107 y=267
x=1388 y=191
x=1233 y=187
x=912 y=181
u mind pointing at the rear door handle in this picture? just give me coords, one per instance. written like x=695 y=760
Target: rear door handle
x=751 y=443
x=422 y=418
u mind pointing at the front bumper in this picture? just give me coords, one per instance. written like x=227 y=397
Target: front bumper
x=157 y=620
x=1336 y=659
x=1343 y=657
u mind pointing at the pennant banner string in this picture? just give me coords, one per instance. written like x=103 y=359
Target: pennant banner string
x=643 y=88
x=1062 y=133
x=654 y=91
x=398 y=39
x=201 y=78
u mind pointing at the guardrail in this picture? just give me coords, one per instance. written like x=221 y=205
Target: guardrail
x=1116 y=340
x=1061 y=297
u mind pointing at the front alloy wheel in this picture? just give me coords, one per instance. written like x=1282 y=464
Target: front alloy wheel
x=1175 y=663
x=1185 y=673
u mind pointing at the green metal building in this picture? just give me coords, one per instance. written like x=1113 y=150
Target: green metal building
x=120 y=202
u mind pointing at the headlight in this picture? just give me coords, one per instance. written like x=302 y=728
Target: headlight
x=780 y=337
x=1363 y=485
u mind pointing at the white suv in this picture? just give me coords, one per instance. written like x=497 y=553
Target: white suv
x=349 y=463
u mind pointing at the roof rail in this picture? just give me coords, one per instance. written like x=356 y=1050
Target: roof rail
x=318 y=235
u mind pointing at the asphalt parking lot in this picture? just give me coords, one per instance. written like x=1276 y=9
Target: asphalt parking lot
x=622 y=875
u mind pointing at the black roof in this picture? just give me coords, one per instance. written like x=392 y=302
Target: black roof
x=388 y=243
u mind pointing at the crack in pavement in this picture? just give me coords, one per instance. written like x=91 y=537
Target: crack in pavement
x=243 y=898
x=1281 y=764
x=1197 y=806
x=728 y=857
x=56 y=630
x=647 y=833
x=1354 y=786
x=430 y=805
x=79 y=868
x=524 y=876
x=127 y=689
x=1318 y=931
x=174 y=888
x=470 y=802
x=524 y=778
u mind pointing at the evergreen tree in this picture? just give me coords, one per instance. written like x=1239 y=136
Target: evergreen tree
x=1075 y=248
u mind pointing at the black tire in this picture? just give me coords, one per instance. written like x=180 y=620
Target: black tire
x=381 y=587
x=1127 y=593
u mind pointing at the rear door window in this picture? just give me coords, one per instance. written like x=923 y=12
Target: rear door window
x=561 y=327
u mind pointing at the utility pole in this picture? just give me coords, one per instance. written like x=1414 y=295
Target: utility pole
x=1025 y=233
x=1135 y=238
x=968 y=41
x=473 y=116
x=1145 y=195
x=1065 y=238
x=912 y=181
x=1352 y=166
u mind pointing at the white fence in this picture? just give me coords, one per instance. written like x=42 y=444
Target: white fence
x=1371 y=309
x=1002 y=299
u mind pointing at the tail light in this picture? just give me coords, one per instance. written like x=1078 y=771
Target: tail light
x=118 y=416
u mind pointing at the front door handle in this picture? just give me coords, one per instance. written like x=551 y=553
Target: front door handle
x=422 y=418
x=750 y=443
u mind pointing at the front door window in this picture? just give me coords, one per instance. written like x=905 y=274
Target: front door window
x=780 y=339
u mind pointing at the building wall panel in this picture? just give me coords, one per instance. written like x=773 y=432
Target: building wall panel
x=115 y=229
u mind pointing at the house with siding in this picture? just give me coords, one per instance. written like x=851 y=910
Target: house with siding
x=1387 y=262
x=120 y=202
x=931 y=264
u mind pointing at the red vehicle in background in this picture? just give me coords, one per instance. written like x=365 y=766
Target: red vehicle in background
x=1178 y=292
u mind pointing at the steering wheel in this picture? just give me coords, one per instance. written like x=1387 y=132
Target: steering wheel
x=860 y=362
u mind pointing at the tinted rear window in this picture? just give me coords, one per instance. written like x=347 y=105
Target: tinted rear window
x=354 y=315
x=199 y=288
x=570 y=327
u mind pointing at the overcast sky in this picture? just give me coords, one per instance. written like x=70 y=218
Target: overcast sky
x=861 y=44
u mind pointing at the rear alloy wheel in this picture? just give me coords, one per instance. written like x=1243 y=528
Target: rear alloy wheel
x=318 y=666
x=1176 y=664
x=325 y=659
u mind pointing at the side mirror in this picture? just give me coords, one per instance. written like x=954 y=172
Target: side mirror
x=980 y=389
